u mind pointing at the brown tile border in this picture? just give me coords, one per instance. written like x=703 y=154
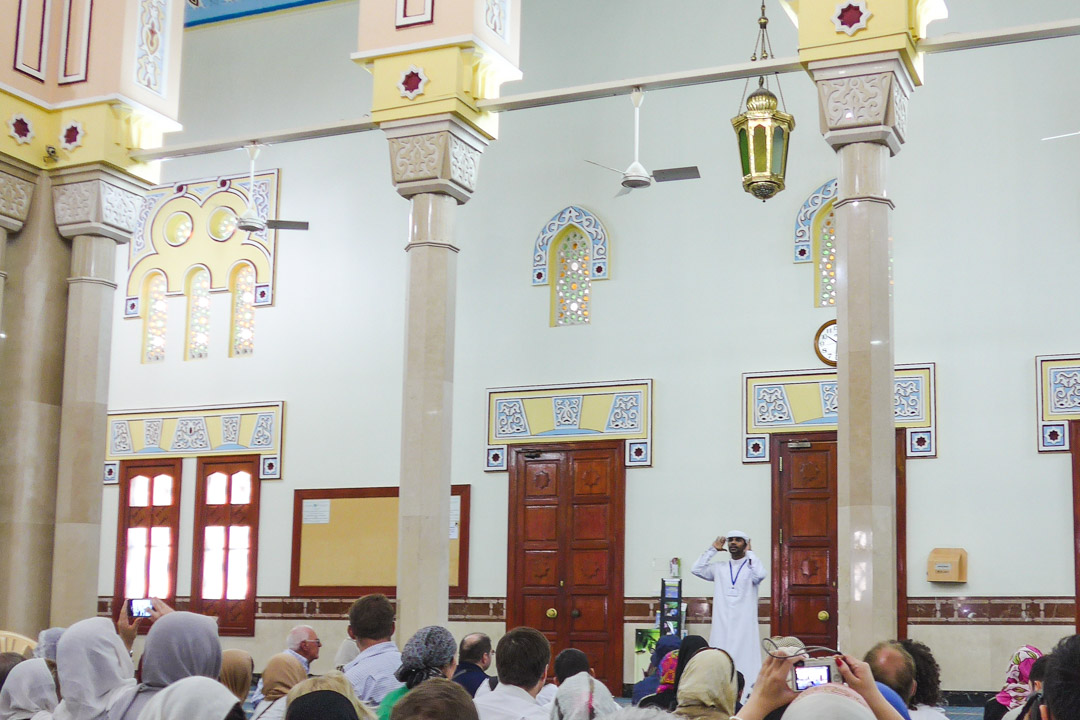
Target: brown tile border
x=921 y=610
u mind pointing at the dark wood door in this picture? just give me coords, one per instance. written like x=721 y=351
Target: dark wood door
x=565 y=555
x=804 y=538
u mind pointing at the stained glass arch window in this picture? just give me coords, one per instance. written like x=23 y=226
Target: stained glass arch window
x=571 y=252
x=242 y=329
x=155 y=317
x=815 y=241
x=197 y=290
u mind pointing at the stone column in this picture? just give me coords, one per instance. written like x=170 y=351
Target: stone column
x=97 y=210
x=31 y=360
x=863 y=102
x=434 y=163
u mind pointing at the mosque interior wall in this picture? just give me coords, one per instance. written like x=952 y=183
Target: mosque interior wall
x=702 y=289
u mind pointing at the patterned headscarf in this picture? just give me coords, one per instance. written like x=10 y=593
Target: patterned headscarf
x=1016 y=690
x=667 y=671
x=430 y=650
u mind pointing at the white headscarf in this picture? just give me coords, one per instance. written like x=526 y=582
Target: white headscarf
x=831 y=701
x=738 y=534
x=46 y=643
x=193 y=698
x=94 y=668
x=580 y=693
x=29 y=692
x=179 y=645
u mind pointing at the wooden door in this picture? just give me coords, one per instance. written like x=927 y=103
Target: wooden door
x=804 y=538
x=565 y=555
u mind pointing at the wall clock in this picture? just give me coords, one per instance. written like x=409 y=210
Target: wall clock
x=825 y=343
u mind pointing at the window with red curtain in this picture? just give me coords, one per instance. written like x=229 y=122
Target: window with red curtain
x=226 y=542
x=149 y=519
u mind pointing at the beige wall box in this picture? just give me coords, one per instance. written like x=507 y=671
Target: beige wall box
x=947 y=565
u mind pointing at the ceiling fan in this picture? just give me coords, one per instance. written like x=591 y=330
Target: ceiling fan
x=251 y=221
x=636 y=176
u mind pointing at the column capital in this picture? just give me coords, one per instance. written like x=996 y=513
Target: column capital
x=863 y=99
x=17 y=182
x=97 y=201
x=434 y=155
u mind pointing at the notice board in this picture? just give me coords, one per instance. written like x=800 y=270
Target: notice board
x=345 y=542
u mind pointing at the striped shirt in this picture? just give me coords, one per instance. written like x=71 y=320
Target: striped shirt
x=372 y=672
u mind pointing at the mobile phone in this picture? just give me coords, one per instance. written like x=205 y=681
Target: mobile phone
x=139 y=608
x=809 y=676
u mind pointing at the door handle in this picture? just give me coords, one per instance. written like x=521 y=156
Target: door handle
x=552 y=613
x=575 y=613
x=823 y=616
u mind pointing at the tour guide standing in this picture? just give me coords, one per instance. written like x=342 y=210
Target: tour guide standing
x=735 y=603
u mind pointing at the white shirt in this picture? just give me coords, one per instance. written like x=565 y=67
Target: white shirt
x=735 y=608
x=372 y=672
x=270 y=710
x=509 y=702
x=925 y=712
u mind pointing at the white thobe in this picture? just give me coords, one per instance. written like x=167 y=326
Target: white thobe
x=735 y=608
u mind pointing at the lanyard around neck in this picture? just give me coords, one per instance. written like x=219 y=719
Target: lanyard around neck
x=735 y=577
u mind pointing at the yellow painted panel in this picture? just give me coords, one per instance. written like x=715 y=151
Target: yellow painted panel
x=247 y=428
x=213 y=430
x=168 y=432
x=595 y=410
x=540 y=414
x=369 y=528
x=805 y=401
x=138 y=435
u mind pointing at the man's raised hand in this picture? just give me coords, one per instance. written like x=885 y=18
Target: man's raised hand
x=719 y=543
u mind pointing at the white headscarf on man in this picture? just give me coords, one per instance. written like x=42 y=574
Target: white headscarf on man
x=29 y=692
x=94 y=669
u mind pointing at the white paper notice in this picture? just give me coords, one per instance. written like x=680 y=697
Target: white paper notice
x=316 y=512
x=455 y=516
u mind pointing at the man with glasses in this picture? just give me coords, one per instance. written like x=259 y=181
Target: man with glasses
x=303 y=644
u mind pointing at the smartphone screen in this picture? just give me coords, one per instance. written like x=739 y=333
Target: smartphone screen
x=139 y=608
x=808 y=677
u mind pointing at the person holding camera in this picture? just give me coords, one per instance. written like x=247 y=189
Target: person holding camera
x=735 y=600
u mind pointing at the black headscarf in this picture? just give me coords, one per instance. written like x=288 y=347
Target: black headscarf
x=691 y=646
x=321 y=705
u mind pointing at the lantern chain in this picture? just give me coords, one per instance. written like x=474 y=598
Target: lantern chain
x=762 y=45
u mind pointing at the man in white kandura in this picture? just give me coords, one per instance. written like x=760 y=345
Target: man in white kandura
x=735 y=601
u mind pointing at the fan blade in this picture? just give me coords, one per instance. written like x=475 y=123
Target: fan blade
x=681 y=173
x=286 y=224
x=604 y=166
x=1058 y=137
x=624 y=191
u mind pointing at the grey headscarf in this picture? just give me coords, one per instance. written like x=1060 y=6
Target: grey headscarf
x=46 y=643
x=425 y=655
x=179 y=645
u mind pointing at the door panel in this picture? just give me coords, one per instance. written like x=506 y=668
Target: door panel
x=804 y=555
x=565 y=550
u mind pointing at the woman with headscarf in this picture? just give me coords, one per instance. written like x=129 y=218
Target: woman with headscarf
x=29 y=692
x=94 y=668
x=46 y=643
x=194 y=698
x=707 y=688
x=282 y=672
x=1016 y=690
x=581 y=697
x=237 y=669
x=428 y=654
x=832 y=700
x=334 y=681
x=664 y=695
x=322 y=705
x=179 y=645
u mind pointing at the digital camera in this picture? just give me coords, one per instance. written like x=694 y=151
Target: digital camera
x=815 y=671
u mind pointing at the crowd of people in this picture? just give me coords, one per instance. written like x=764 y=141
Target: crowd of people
x=86 y=672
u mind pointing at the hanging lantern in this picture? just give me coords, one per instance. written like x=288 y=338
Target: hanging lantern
x=763 y=133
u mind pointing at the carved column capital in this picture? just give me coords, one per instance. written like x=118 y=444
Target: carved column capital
x=16 y=192
x=437 y=155
x=863 y=99
x=97 y=202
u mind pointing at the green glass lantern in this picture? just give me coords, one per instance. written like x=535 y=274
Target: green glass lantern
x=763 y=132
